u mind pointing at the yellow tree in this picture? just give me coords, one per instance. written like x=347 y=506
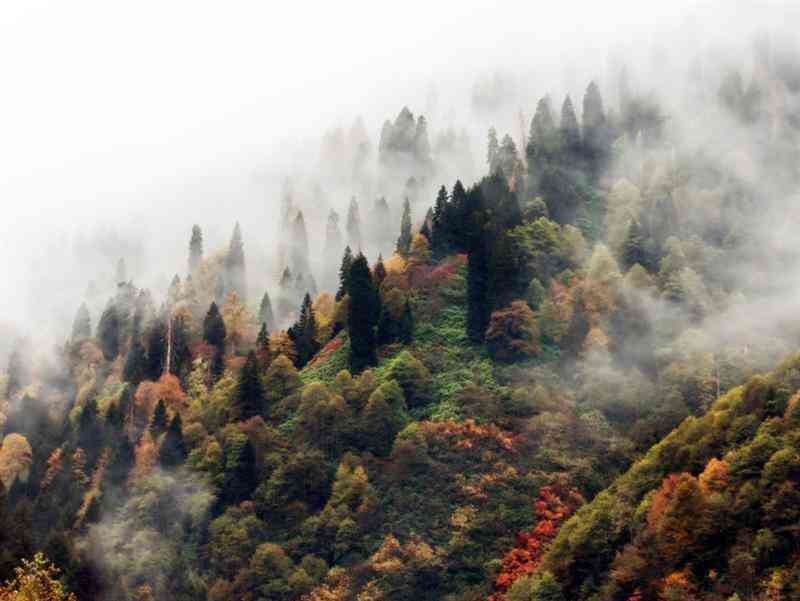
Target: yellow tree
x=239 y=322
x=35 y=580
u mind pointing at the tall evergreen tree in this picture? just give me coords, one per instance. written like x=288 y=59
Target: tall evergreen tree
x=344 y=274
x=493 y=150
x=425 y=230
x=135 y=368
x=404 y=240
x=156 y=350
x=122 y=459
x=353 y=225
x=407 y=324
x=220 y=288
x=439 y=229
x=570 y=130
x=543 y=138
x=633 y=250
x=379 y=272
x=195 y=248
x=214 y=327
x=89 y=429
x=173 y=448
x=181 y=360
x=82 y=325
x=249 y=394
x=121 y=273
x=158 y=423
x=595 y=132
x=300 y=262
x=478 y=304
x=361 y=315
x=235 y=277
x=265 y=314
x=262 y=340
x=457 y=217
x=240 y=476
x=108 y=332
x=304 y=333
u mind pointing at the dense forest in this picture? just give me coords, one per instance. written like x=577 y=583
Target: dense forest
x=572 y=379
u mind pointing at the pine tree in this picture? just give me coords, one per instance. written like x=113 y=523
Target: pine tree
x=214 y=327
x=108 y=332
x=82 y=325
x=89 y=430
x=353 y=225
x=181 y=360
x=379 y=272
x=543 y=138
x=262 y=341
x=439 y=230
x=135 y=368
x=361 y=315
x=240 y=477
x=235 y=277
x=570 y=130
x=300 y=245
x=249 y=394
x=156 y=350
x=493 y=149
x=595 y=135
x=478 y=307
x=173 y=448
x=344 y=274
x=304 y=334
x=633 y=251
x=425 y=230
x=265 y=315
x=404 y=240
x=407 y=324
x=457 y=217
x=195 y=248
x=158 y=422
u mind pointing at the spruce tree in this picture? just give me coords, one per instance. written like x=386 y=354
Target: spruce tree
x=218 y=364
x=425 y=230
x=492 y=151
x=361 y=315
x=173 y=448
x=265 y=315
x=82 y=325
x=478 y=308
x=379 y=272
x=158 y=422
x=304 y=334
x=156 y=350
x=262 y=341
x=122 y=460
x=249 y=393
x=543 y=138
x=633 y=251
x=596 y=144
x=456 y=221
x=214 y=327
x=89 y=429
x=570 y=130
x=108 y=332
x=135 y=368
x=344 y=274
x=240 y=476
x=195 y=248
x=353 y=225
x=235 y=277
x=439 y=228
x=407 y=324
x=404 y=240
x=180 y=362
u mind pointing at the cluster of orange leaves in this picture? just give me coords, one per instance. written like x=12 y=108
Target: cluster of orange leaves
x=553 y=507
x=467 y=434
x=327 y=351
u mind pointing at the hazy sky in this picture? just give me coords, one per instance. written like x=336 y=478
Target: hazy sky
x=155 y=112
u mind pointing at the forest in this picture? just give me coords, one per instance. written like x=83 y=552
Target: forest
x=573 y=376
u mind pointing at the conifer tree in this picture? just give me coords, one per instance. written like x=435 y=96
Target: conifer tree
x=333 y=236
x=262 y=340
x=195 y=248
x=89 y=430
x=300 y=261
x=440 y=244
x=235 y=277
x=82 y=325
x=240 y=477
x=214 y=327
x=218 y=363
x=304 y=334
x=135 y=368
x=425 y=230
x=156 y=350
x=361 y=315
x=158 y=422
x=379 y=272
x=344 y=274
x=595 y=135
x=569 y=130
x=108 y=332
x=404 y=240
x=407 y=324
x=265 y=315
x=478 y=307
x=181 y=360
x=457 y=217
x=492 y=151
x=543 y=136
x=173 y=448
x=122 y=459
x=219 y=289
x=249 y=394
x=353 y=225
x=633 y=251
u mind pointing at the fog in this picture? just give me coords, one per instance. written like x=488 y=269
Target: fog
x=121 y=125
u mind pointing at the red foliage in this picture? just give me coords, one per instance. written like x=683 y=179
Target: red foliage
x=466 y=434
x=327 y=351
x=553 y=507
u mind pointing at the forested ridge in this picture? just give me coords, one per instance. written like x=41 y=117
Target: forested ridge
x=565 y=380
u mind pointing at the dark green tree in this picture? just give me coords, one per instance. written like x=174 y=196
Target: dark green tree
x=90 y=429
x=361 y=315
x=379 y=272
x=214 y=328
x=158 y=423
x=173 y=448
x=633 y=250
x=404 y=240
x=108 y=332
x=218 y=363
x=122 y=459
x=262 y=340
x=249 y=393
x=596 y=142
x=240 y=477
x=304 y=333
x=570 y=130
x=265 y=314
x=181 y=360
x=82 y=325
x=440 y=226
x=235 y=277
x=344 y=274
x=156 y=350
x=407 y=324
x=135 y=368
x=478 y=305
x=195 y=248
x=353 y=225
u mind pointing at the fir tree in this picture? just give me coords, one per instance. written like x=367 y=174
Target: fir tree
x=108 y=332
x=240 y=477
x=173 y=448
x=379 y=272
x=353 y=225
x=543 y=139
x=214 y=327
x=156 y=350
x=300 y=245
x=478 y=307
x=249 y=394
x=344 y=274
x=304 y=334
x=82 y=325
x=440 y=244
x=493 y=149
x=158 y=422
x=235 y=277
x=361 y=315
x=89 y=430
x=457 y=217
x=122 y=460
x=181 y=360
x=404 y=240
x=218 y=364
x=570 y=130
x=425 y=230
x=407 y=324
x=595 y=135
x=633 y=251
x=262 y=341
x=195 y=248
x=135 y=368
x=265 y=315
